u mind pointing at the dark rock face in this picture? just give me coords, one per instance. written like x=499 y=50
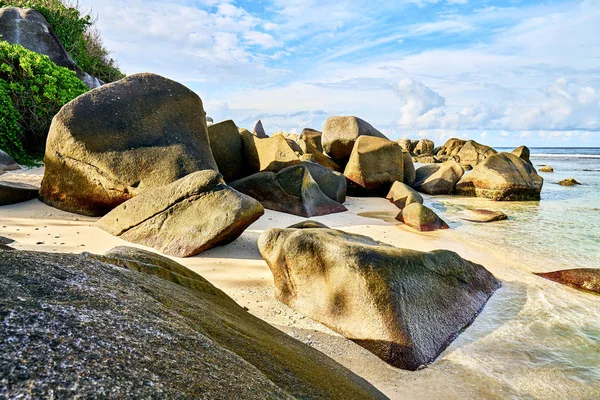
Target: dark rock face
x=586 y=279
x=13 y=192
x=331 y=183
x=227 y=149
x=405 y=306
x=435 y=179
x=293 y=190
x=484 y=216
x=4 y=245
x=31 y=30
x=569 y=182
x=186 y=217
x=259 y=131
x=421 y=218
x=374 y=165
x=402 y=195
x=75 y=326
x=107 y=145
x=504 y=177
x=523 y=152
x=7 y=163
x=340 y=133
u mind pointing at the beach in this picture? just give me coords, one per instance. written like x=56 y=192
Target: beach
x=534 y=338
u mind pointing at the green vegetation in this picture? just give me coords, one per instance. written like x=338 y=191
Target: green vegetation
x=32 y=90
x=77 y=34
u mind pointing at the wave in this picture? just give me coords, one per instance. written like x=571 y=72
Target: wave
x=566 y=155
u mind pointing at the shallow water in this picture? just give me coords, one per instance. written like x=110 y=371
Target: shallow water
x=539 y=338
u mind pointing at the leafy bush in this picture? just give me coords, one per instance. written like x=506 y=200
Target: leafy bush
x=77 y=34
x=37 y=89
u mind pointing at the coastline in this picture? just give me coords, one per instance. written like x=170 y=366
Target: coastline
x=481 y=363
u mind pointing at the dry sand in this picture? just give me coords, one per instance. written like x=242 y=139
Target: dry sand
x=465 y=370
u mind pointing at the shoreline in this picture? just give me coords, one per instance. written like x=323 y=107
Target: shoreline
x=466 y=369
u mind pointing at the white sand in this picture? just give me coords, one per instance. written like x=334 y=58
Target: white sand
x=482 y=363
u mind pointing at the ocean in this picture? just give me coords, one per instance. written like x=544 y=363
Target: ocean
x=536 y=338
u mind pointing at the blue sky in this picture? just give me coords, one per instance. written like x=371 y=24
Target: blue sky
x=501 y=72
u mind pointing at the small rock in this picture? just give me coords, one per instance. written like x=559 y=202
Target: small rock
x=483 y=216
x=568 y=182
x=546 y=168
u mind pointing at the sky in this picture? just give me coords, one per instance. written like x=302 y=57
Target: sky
x=504 y=73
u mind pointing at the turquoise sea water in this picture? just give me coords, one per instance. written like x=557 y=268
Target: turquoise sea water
x=561 y=231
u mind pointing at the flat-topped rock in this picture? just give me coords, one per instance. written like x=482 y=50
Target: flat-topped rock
x=404 y=306
x=15 y=192
x=586 y=279
x=480 y=215
x=186 y=217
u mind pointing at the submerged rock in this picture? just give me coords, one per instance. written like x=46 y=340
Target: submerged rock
x=402 y=195
x=14 y=192
x=546 y=168
x=503 y=177
x=374 y=165
x=186 y=217
x=404 y=306
x=109 y=144
x=421 y=218
x=30 y=29
x=340 y=133
x=483 y=216
x=294 y=190
x=436 y=179
x=569 y=182
x=587 y=279
x=137 y=325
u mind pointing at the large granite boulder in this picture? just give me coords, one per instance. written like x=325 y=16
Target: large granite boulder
x=374 y=165
x=502 y=176
x=421 y=218
x=410 y=174
x=267 y=154
x=312 y=153
x=227 y=149
x=438 y=179
x=331 y=183
x=586 y=279
x=405 y=306
x=451 y=147
x=30 y=29
x=258 y=130
x=402 y=195
x=15 y=192
x=136 y=325
x=294 y=190
x=340 y=133
x=186 y=217
x=7 y=163
x=107 y=145
x=472 y=153
x=424 y=148
x=523 y=152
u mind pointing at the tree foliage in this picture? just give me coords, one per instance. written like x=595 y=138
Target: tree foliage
x=77 y=34
x=32 y=90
